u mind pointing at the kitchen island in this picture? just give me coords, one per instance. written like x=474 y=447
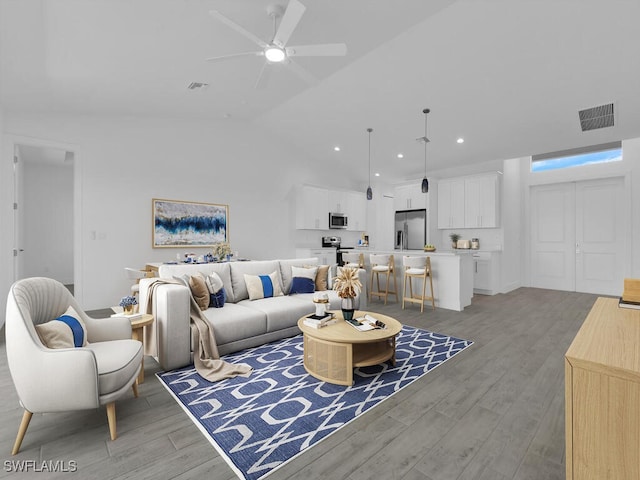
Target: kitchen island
x=452 y=274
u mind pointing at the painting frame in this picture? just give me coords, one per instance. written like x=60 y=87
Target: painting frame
x=180 y=224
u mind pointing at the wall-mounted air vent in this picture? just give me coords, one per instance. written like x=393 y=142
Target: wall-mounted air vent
x=197 y=86
x=596 y=117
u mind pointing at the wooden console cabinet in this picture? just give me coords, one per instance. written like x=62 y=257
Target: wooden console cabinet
x=602 y=395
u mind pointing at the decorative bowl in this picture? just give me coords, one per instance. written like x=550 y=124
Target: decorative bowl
x=429 y=249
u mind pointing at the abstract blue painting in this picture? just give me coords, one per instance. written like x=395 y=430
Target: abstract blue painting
x=179 y=224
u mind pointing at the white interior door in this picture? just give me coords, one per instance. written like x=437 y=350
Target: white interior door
x=600 y=236
x=553 y=236
x=579 y=236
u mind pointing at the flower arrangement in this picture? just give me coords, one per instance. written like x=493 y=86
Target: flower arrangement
x=221 y=250
x=128 y=301
x=347 y=283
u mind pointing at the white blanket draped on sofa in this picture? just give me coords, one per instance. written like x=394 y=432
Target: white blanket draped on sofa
x=206 y=359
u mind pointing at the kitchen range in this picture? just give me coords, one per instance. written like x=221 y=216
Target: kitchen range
x=334 y=241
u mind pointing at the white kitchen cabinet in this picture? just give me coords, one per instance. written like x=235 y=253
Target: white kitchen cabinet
x=410 y=197
x=451 y=204
x=325 y=256
x=468 y=202
x=356 y=203
x=311 y=208
x=337 y=201
x=481 y=201
x=486 y=269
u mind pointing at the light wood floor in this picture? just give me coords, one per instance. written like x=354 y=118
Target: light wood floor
x=494 y=412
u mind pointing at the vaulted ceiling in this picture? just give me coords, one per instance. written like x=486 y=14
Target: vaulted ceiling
x=507 y=75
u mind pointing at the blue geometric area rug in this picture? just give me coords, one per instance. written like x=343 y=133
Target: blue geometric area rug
x=261 y=422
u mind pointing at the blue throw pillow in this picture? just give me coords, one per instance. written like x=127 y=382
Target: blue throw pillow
x=302 y=285
x=217 y=299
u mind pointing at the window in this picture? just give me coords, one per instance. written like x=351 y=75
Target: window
x=577 y=157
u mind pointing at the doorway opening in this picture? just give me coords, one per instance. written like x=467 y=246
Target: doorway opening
x=44 y=213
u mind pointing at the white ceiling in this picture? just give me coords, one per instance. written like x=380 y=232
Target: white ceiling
x=507 y=75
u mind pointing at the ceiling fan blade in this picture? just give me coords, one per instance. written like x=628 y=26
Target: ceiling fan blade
x=231 y=24
x=263 y=77
x=303 y=73
x=320 y=50
x=289 y=22
x=235 y=55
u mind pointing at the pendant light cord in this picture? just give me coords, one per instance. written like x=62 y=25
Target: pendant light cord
x=369 y=130
x=425 y=111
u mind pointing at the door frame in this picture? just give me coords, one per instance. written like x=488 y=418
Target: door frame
x=10 y=142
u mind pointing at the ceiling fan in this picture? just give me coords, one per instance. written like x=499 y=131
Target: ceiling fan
x=276 y=51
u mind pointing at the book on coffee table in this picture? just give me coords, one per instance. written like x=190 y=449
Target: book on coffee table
x=366 y=323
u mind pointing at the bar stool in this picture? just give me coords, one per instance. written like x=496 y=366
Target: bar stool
x=383 y=264
x=417 y=267
x=353 y=260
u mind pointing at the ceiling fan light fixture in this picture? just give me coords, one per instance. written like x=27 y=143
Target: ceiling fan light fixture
x=274 y=54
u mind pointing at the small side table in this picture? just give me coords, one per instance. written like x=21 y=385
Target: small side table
x=137 y=330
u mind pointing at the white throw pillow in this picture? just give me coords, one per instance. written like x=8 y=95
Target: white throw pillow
x=263 y=286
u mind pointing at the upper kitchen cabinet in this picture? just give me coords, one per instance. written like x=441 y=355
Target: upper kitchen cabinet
x=481 y=201
x=356 y=211
x=337 y=201
x=313 y=204
x=410 y=197
x=311 y=208
x=469 y=202
x=451 y=204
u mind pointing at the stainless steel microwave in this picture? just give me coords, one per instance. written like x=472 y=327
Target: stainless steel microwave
x=337 y=220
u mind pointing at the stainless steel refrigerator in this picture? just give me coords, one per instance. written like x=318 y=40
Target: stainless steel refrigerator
x=410 y=229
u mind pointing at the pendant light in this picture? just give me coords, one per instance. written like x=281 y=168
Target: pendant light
x=425 y=140
x=369 y=191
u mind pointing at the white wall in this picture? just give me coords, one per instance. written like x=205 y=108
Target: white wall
x=48 y=235
x=125 y=162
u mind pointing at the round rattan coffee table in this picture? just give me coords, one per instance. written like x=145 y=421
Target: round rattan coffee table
x=332 y=352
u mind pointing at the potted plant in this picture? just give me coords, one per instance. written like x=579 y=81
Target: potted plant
x=454 y=239
x=222 y=251
x=127 y=303
x=348 y=286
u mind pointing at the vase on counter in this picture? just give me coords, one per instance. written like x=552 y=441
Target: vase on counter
x=349 y=305
x=128 y=309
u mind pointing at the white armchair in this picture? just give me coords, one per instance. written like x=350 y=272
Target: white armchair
x=54 y=380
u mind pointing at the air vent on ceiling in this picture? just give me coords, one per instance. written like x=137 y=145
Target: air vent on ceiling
x=197 y=86
x=596 y=117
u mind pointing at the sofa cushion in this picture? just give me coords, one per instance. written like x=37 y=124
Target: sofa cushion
x=322 y=278
x=234 y=322
x=199 y=290
x=281 y=312
x=222 y=269
x=239 y=269
x=113 y=371
x=263 y=286
x=335 y=301
x=218 y=299
x=304 y=280
x=285 y=269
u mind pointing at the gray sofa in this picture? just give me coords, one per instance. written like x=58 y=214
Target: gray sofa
x=241 y=323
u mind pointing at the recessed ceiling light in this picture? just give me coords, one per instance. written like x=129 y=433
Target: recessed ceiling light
x=460 y=140
x=377 y=174
x=400 y=155
x=336 y=148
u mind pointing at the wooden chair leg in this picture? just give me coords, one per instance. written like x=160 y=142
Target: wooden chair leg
x=24 y=424
x=433 y=300
x=135 y=388
x=424 y=289
x=111 y=417
x=404 y=289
